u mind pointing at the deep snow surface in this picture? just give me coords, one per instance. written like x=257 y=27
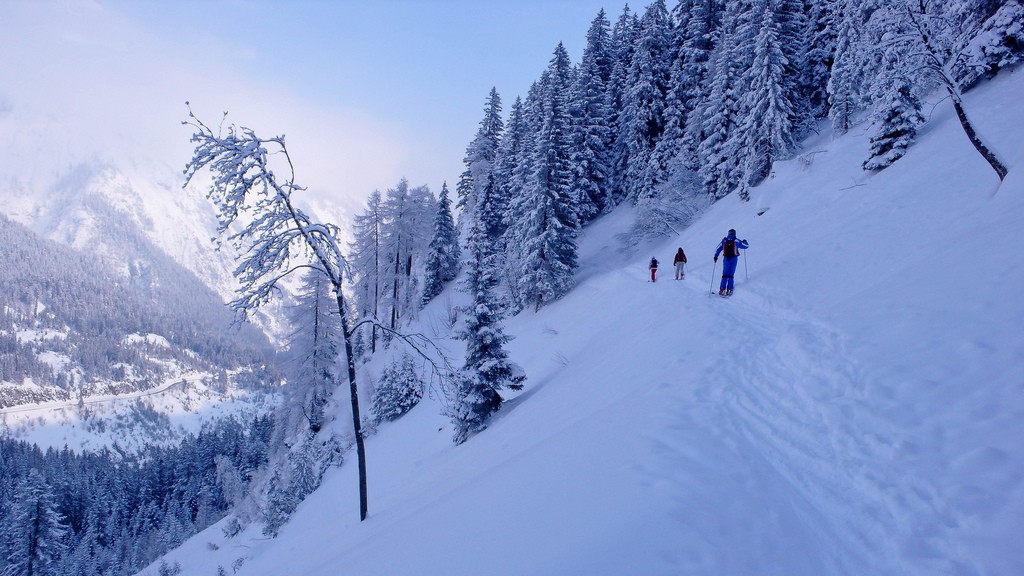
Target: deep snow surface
x=856 y=408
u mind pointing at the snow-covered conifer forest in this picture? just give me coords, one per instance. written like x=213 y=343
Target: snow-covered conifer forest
x=855 y=408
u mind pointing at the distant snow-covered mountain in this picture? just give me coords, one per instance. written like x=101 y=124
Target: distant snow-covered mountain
x=101 y=209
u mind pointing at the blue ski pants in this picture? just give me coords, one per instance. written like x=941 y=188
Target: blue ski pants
x=728 y=270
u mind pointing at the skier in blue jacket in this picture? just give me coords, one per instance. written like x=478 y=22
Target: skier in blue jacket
x=731 y=247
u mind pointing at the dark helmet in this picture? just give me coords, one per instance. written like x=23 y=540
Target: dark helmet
x=732 y=231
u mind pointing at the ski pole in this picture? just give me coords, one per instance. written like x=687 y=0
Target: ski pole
x=711 y=289
x=745 y=275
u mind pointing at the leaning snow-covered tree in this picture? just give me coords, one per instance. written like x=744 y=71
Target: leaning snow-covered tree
x=676 y=202
x=923 y=33
x=258 y=216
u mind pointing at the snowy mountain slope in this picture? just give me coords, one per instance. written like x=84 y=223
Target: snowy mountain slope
x=855 y=408
x=133 y=217
x=76 y=206
x=86 y=357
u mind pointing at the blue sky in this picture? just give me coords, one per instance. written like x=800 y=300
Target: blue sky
x=367 y=92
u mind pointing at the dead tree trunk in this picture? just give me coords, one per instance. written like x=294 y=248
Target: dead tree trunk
x=934 y=56
x=987 y=154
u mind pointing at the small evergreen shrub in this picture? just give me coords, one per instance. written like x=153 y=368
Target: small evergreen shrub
x=398 y=390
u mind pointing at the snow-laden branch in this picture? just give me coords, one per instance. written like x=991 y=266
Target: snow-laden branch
x=427 y=349
x=271 y=231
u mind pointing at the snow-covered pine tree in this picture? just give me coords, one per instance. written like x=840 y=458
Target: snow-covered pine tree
x=528 y=122
x=991 y=37
x=699 y=40
x=487 y=369
x=591 y=156
x=476 y=188
x=542 y=237
x=795 y=44
x=767 y=106
x=229 y=480
x=367 y=263
x=165 y=569
x=623 y=43
x=823 y=22
x=855 y=56
x=897 y=114
x=87 y=556
x=643 y=112
x=280 y=503
x=443 y=255
x=398 y=390
x=511 y=161
x=421 y=226
x=718 y=154
x=34 y=539
x=669 y=154
x=305 y=470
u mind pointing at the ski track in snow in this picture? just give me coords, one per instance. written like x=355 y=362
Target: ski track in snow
x=810 y=439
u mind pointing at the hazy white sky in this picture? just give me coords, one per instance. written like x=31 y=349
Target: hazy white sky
x=367 y=91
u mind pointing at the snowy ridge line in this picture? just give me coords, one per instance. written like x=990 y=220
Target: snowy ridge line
x=49 y=406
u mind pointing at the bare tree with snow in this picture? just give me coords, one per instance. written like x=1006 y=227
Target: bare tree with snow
x=257 y=215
